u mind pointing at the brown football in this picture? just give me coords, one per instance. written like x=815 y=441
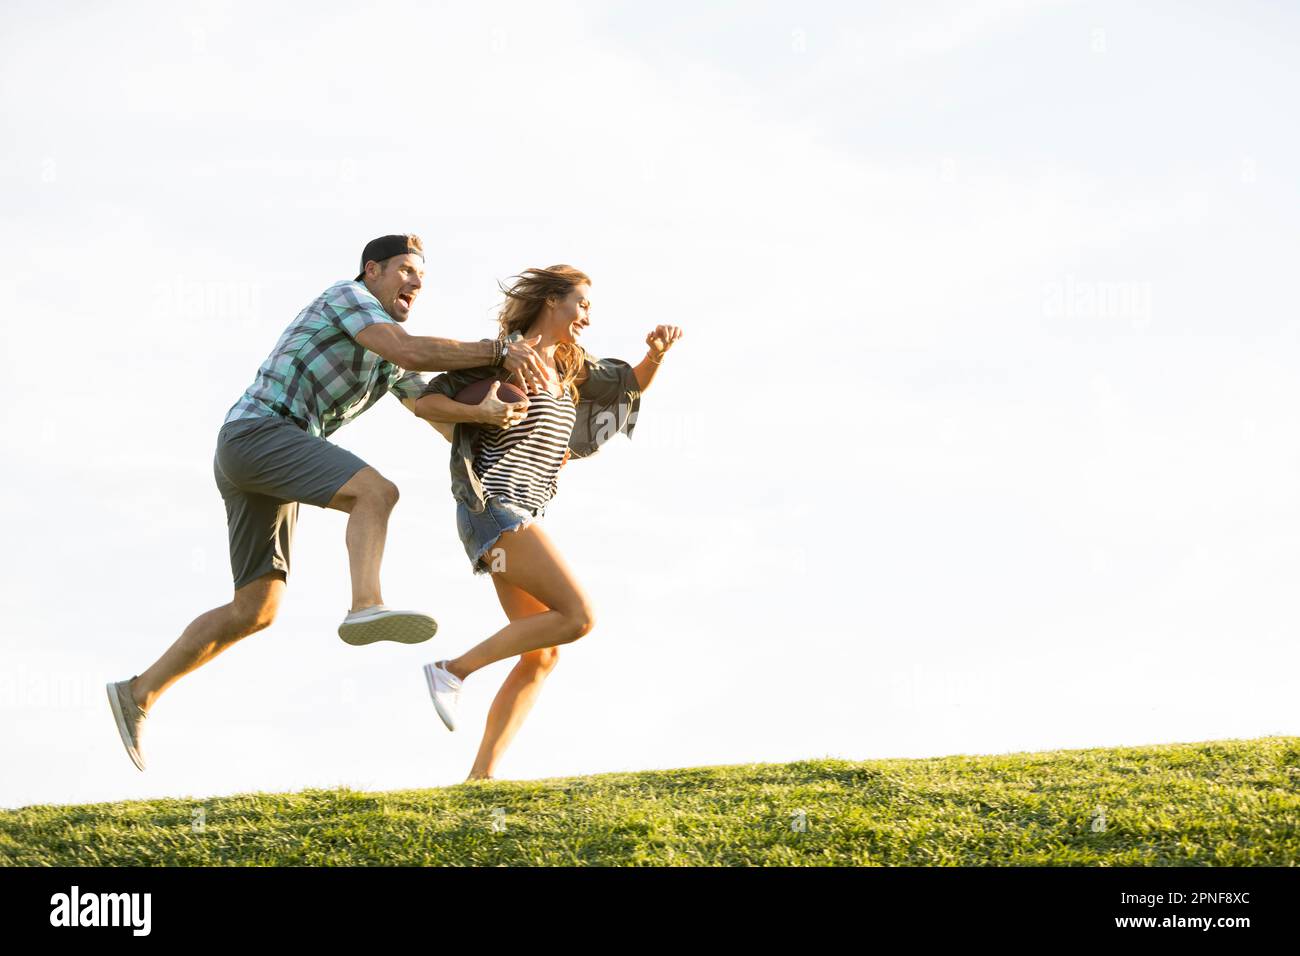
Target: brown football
x=475 y=392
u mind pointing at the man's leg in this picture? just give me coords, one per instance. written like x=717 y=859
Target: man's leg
x=277 y=459
x=368 y=498
x=254 y=607
x=260 y=530
x=207 y=636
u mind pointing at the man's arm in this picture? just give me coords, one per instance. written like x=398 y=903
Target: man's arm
x=424 y=353
x=429 y=353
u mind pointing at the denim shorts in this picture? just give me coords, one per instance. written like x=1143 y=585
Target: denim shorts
x=479 y=531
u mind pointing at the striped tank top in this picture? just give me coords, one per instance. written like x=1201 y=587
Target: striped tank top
x=522 y=462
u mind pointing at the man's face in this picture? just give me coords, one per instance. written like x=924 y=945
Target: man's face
x=396 y=282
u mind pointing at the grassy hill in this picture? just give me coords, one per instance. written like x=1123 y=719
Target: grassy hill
x=1221 y=803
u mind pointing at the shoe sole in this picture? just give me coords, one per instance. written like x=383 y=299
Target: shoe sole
x=428 y=679
x=116 y=703
x=402 y=628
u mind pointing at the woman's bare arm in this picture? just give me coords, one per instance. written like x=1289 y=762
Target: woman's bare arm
x=439 y=409
x=660 y=340
x=445 y=429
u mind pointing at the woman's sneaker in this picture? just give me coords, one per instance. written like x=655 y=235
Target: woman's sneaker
x=444 y=688
x=130 y=718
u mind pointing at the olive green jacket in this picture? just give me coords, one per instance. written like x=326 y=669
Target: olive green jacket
x=608 y=403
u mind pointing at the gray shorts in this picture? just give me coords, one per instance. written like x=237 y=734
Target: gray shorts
x=263 y=468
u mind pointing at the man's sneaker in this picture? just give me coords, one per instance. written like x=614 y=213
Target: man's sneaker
x=130 y=718
x=381 y=623
x=444 y=688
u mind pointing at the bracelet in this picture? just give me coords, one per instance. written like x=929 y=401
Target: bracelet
x=652 y=358
x=501 y=353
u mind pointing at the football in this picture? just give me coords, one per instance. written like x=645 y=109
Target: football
x=474 y=393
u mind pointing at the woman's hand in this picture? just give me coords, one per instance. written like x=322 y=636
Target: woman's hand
x=492 y=411
x=661 y=339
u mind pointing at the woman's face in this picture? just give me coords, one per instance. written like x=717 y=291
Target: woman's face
x=570 y=315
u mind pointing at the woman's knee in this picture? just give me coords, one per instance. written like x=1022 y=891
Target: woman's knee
x=543 y=660
x=580 y=621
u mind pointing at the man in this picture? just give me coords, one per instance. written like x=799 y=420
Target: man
x=335 y=360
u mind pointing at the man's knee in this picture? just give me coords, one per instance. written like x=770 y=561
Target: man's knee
x=370 y=487
x=388 y=493
x=250 y=620
x=256 y=605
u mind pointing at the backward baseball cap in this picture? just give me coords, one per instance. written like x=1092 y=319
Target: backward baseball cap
x=385 y=247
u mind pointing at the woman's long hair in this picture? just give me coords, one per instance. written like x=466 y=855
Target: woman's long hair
x=525 y=300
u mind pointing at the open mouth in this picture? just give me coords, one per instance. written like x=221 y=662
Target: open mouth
x=406 y=299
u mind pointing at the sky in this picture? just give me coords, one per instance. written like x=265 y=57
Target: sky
x=980 y=438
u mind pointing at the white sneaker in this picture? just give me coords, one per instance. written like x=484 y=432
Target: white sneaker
x=129 y=717
x=444 y=688
x=382 y=623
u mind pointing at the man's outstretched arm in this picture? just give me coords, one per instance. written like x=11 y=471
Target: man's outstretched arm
x=429 y=353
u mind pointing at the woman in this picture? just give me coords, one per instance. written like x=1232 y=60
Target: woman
x=505 y=462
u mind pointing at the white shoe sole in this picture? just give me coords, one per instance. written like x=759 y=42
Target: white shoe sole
x=447 y=718
x=404 y=627
x=120 y=716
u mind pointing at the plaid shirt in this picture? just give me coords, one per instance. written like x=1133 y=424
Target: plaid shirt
x=318 y=376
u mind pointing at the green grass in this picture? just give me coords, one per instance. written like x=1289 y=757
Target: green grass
x=1222 y=803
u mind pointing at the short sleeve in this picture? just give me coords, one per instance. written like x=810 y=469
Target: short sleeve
x=354 y=308
x=406 y=384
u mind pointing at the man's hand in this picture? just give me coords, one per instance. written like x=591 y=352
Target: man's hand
x=492 y=411
x=526 y=363
x=661 y=339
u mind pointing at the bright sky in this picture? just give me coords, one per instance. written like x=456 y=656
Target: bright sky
x=980 y=439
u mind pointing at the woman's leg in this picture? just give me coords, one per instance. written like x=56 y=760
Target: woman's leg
x=519 y=692
x=533 y=564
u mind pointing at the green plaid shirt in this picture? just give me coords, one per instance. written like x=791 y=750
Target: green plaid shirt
x=318 y=376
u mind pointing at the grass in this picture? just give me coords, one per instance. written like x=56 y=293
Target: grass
x=1220 y=803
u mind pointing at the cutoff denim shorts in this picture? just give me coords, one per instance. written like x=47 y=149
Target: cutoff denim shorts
x=479 y=531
